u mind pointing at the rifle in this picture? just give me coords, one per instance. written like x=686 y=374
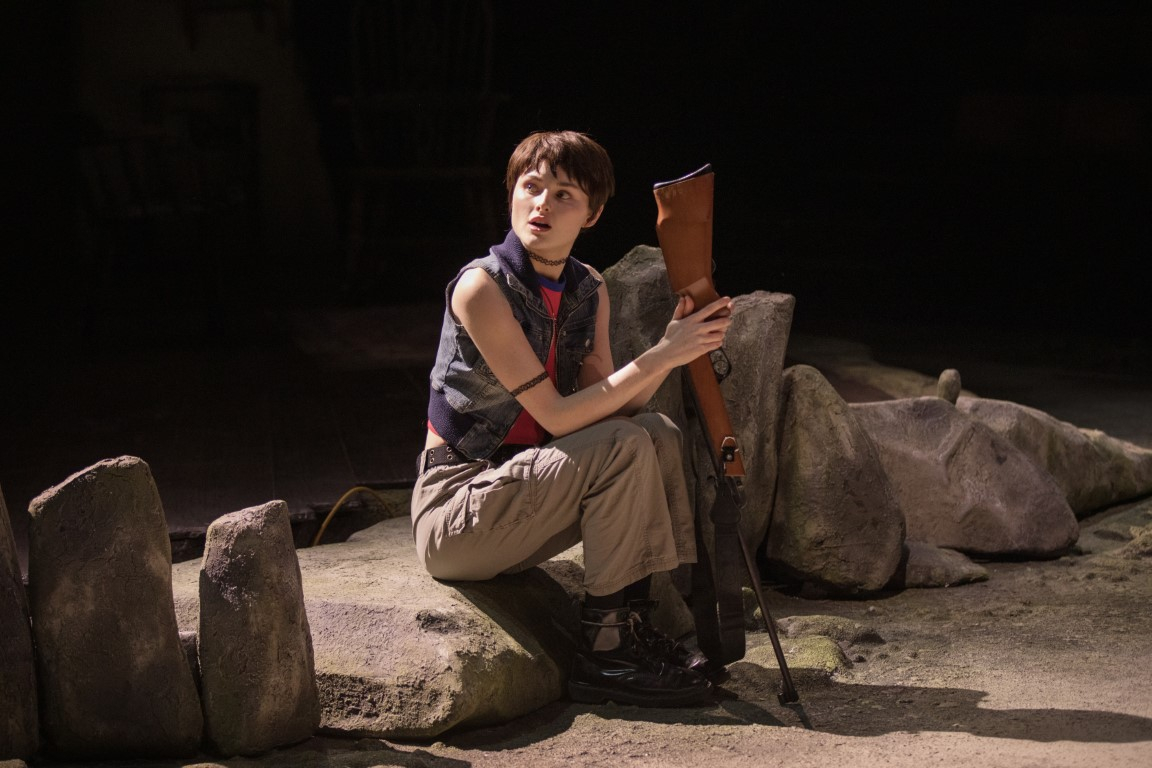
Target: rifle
x=684 y=229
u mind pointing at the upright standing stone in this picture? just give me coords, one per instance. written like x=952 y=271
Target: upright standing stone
x=18 y=720
x=113 y=678
x=756 y=345
x=837 y=520
x=256 y=663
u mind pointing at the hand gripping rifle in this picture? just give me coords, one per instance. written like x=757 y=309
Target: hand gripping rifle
x=684 y=229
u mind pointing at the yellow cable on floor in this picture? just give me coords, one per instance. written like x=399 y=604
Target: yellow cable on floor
x=338 y=504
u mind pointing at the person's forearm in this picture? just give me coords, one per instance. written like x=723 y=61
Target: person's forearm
x=623 y=392
x=637 y=403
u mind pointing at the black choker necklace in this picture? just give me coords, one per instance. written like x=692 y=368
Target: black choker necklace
x=546 y=262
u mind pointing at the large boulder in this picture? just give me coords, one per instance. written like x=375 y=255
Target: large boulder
x=255 y=649
x=642 y=305
x=964 y=487
x=19 y=725
x=1093 y=469
x=114 y=681
x=401 y=655
x=837 y=521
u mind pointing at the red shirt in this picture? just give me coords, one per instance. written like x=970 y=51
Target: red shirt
x=525 y=430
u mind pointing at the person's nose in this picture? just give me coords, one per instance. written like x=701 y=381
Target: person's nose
x=542 y=202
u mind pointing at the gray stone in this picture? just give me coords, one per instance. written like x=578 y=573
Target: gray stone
x=19 y=724
x=837 y=521
x=812 y=660
x=850 y=366
x=642 y=305
x=255 y=647
x=1093 y=469
x=845 y=632
x=930 y=566
x=401 y=655
x=112 y=675
x=756 y=344
x=964 y=487
x=948 y=385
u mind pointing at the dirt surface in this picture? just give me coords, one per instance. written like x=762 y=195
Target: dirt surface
x=1044 y=664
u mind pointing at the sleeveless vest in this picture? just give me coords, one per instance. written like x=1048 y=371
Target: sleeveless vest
x=467 y=405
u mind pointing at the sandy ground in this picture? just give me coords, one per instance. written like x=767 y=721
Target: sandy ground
x=1044 y=664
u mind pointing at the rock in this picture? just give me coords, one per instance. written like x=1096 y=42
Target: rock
x=811 y=660
x=401 y=655
x=190 y=642
x=255 y=648
x=964 y=487
x=113 y=679
x=837 y=520
x=928 y=566
x=844 y=631
x=19 y=724
x=948 y=385
x=755 y=345
x=1093 y=469
x=642 y=305
x=851 y=368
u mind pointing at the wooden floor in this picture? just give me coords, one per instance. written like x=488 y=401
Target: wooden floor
x=299 y=407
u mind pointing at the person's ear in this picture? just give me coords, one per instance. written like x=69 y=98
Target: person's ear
x=594 y=217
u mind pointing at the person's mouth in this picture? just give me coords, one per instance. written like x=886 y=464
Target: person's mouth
x=539 y=225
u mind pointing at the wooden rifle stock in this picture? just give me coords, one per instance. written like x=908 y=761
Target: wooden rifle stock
x=684 y=229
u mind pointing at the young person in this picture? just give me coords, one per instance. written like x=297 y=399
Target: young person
x=535 y=440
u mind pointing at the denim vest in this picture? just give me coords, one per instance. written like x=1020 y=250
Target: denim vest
x=467 y=405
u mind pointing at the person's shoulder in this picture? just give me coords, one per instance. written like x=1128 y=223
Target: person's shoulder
x=474 y=281
x=593 y=272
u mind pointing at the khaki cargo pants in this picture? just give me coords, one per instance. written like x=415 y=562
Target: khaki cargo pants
x=618 y=486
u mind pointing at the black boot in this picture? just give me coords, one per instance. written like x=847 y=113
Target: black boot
x=665 y=648
x=613 y=664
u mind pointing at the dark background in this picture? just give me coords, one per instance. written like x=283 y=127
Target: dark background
x=976 y=164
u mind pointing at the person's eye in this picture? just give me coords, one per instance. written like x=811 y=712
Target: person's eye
x=529 y=186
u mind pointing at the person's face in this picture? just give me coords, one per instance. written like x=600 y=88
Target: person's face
x=548 y=211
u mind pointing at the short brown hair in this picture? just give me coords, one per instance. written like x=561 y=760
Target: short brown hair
x=578 y=154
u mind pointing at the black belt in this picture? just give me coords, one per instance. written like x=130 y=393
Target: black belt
x=445 y=455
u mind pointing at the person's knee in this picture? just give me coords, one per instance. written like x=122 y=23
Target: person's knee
x=661 y=430
x=657 y=425
x=454 y=569
x=632 y=433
